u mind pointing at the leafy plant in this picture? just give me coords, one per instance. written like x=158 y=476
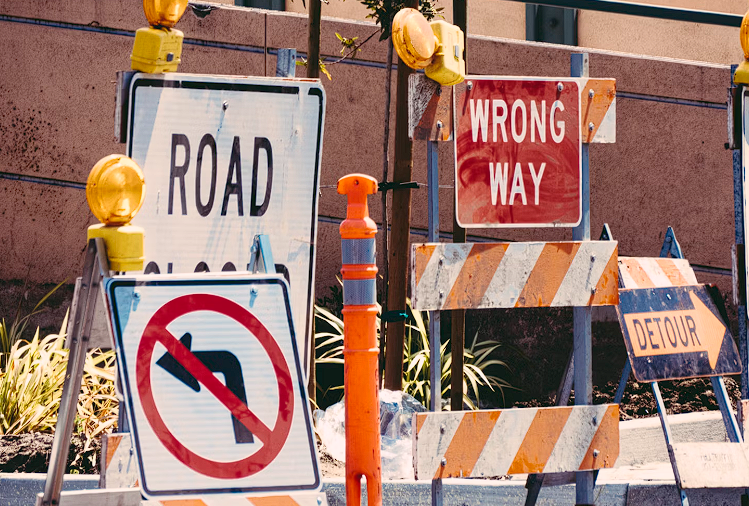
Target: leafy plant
x=383 y=11
x=477 y=370
x=31 y=384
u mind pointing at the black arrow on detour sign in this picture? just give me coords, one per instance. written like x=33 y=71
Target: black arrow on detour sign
x=220 y=361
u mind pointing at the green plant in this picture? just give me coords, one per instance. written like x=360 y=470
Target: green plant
x=477 y=371
x=10 y=334
x=31 y=384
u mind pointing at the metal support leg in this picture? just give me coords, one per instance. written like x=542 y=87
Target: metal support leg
x=729 y=420
x=93 y=272
x=437 y=497
x=669 y=439
x=435 y=342
x=626 y=371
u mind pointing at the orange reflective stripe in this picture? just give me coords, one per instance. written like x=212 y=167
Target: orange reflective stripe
x=535 y=450
x=671 y=271
x=607 y=289
x=468 y=443
x=472 y=282
x=422 y=254
x=282 y=500
x=547 y=276
x=603 y=440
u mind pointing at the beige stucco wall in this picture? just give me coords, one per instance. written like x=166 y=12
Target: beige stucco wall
x=57 y=87
x=599 y=30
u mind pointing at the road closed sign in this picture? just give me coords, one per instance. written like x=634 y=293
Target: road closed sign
x=675 y=332
x=518 y=152
x=213 y=385
x=225 y=159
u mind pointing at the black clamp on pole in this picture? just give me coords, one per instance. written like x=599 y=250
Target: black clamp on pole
x=392 y=185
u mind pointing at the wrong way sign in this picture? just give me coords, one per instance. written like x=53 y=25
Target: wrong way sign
x=227 y=158
x=518 y=152
x=213 y=385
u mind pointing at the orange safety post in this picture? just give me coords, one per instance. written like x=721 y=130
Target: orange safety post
x=360 y=350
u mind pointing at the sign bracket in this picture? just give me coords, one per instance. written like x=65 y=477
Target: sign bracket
x=261 y=256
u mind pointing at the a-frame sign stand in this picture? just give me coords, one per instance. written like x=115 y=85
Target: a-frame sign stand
x=671 y=248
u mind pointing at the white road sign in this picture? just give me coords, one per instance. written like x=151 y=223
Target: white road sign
x=227 y=158
x=213 y=385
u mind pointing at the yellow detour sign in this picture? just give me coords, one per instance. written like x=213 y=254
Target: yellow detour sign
x=675 y=332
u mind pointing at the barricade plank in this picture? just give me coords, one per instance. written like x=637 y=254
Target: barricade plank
x=711 y=465
x=523 y=274
x=512 y=441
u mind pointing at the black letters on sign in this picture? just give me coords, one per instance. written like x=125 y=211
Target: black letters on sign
x=178 y=172
x=234 y=188
x=206 y=141
x=255 y=210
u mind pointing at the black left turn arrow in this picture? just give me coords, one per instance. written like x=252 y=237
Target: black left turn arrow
x=220 y=361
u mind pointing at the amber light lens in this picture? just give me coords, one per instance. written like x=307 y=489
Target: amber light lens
x=164 y=12
x=115 y=189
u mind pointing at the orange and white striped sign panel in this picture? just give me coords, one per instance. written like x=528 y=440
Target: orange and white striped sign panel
x=636 y=272
x=300 y=499
x=515 y=441
x=597 y=110
x=519 y=274
x=119 y=467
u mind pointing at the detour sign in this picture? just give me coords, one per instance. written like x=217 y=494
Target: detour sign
x=675 y=332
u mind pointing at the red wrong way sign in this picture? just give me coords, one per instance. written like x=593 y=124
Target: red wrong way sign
x=213 y=386
x=517 y=152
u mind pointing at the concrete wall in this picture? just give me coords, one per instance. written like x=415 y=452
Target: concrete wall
x=57 y=86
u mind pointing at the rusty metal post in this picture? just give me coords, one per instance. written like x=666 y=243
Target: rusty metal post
x=360 y=351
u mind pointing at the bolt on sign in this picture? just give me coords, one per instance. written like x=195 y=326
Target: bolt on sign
x=227 y=158
x=675 y=332
x=518 y=152
x=213 y=385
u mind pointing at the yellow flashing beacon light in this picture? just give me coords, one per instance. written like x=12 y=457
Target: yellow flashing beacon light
x=158 y=48
x=115 y=191
x=436 y=47
x=741 y=76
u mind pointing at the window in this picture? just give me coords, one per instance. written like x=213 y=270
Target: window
x=551 y=24
x=273 y=5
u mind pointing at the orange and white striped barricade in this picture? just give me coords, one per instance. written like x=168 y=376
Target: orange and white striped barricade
x=463 y=444
x=520 y=274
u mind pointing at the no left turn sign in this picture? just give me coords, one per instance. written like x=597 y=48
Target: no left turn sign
x=213 y=385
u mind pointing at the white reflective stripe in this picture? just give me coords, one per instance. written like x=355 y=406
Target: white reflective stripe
x=359 y=292
x=686 y=270
x=442 y=269
x=503 y=443
x=655 y=272
x=511 y=275
x=584 y=273
x=358 y=251
x=574 y=441
x=433 y=443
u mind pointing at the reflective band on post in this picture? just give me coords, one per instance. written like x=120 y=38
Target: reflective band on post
x=359 y=292
x=358 y=251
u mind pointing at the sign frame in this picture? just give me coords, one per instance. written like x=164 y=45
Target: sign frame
x=141 y=424
x=460 y=90
x=289 y=251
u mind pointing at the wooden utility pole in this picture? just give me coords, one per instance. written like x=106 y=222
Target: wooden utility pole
x=400 y=230
x=458 y=316
x=313 y=71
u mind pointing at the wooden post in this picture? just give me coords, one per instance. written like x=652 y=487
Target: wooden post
x=398 y=255
x=458 y=316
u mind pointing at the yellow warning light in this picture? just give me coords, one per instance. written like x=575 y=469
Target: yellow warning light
x=436 y=47
x=115 y=191
x=158 y=48
x=164 y=13
x=741 y=76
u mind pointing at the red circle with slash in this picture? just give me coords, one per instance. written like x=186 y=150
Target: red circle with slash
x=273 y=438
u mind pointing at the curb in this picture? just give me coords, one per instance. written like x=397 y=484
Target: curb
x=21 y=490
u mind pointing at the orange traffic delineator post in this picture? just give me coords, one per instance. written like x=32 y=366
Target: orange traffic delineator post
x=360 y=349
